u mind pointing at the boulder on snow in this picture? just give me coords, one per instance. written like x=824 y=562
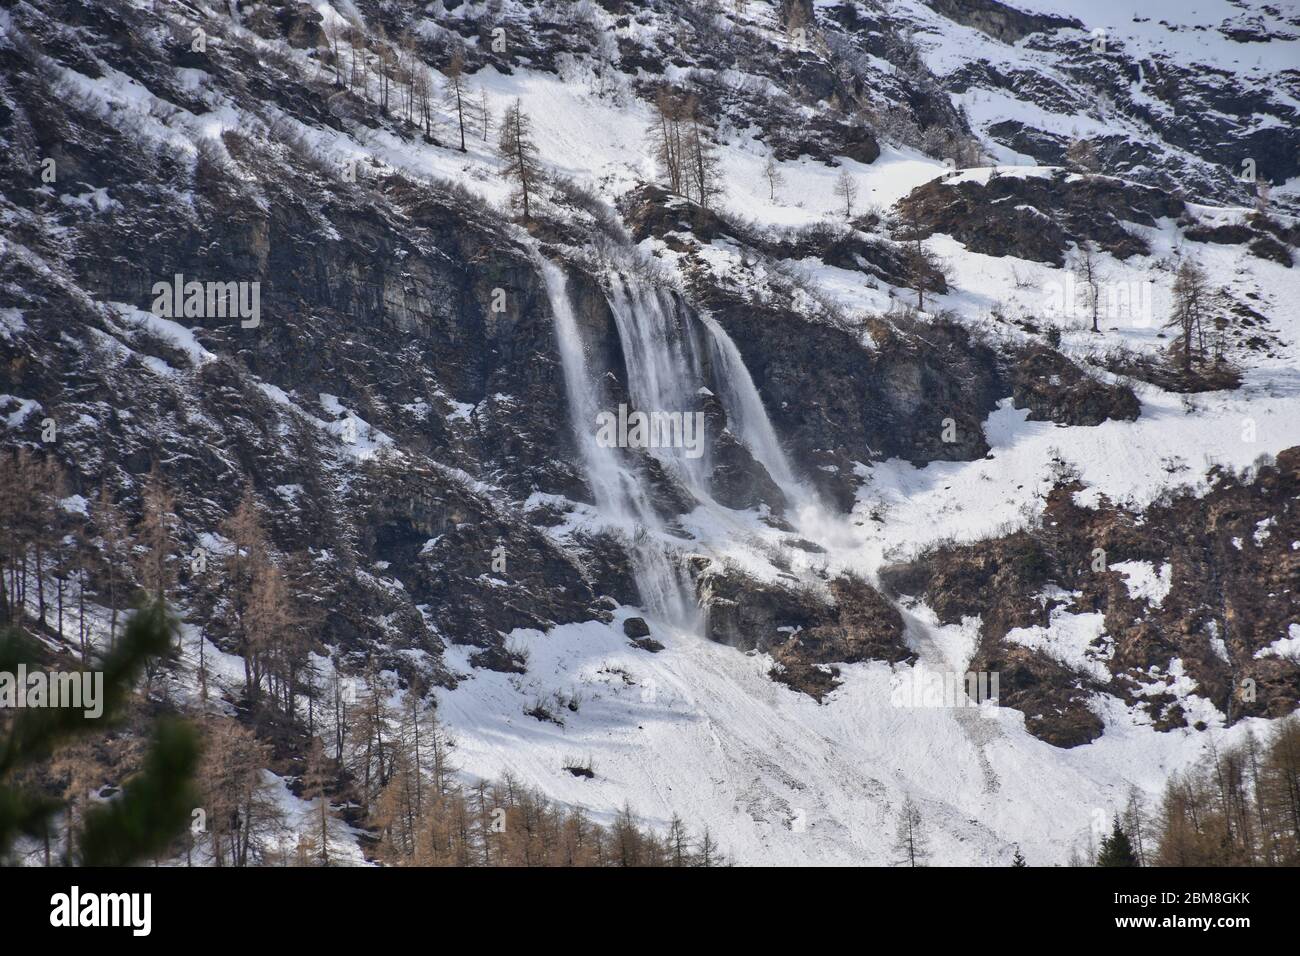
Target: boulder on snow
x=635 y=627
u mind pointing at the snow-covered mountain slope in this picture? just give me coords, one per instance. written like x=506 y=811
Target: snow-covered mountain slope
x=433 y=455
x=702 y=731
x=1183 y=96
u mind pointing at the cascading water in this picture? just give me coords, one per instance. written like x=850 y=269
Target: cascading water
x=665 y=372
x=665 y=352
x=663 y=367
x=745 y=411
x=619 y=492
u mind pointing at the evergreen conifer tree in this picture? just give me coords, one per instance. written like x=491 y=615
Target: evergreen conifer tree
x=1116 y=849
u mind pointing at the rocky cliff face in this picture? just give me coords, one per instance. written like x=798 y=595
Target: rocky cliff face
x=401 y=408
x=1166 y=102
x=1195 y=586
x=381 y=291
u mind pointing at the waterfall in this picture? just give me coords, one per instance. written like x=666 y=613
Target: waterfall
x=745 y=411
x=665 y=351
x=663 y=367
x=665 y=372
x=619 y=491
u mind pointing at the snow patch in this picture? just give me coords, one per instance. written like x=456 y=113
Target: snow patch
x=1144 y=581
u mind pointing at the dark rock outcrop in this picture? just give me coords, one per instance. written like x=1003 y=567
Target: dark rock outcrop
x=1233 y=589
x=836 y=402
x=1035 y=217
x=806 y=633
x=736 y=479
x=1262 y=236
x=1055 y=389
x=999 y=20
x=636 y=627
